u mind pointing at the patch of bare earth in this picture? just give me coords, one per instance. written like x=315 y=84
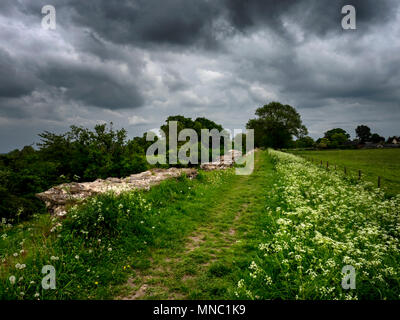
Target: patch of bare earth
x=137 y=293
x=194 y=242
x=232 y=231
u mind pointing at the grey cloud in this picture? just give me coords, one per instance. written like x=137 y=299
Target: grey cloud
x=176 y=22
x=93 y=87
x=312 y=16
x=15 y=82
x=147 y=59
x=174 y=81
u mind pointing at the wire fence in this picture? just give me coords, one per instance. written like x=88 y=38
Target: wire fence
x=346 y=170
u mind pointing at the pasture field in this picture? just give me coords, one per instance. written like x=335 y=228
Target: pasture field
x=372 y=162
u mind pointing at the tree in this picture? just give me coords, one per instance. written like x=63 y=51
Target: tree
x=276 y=125
x=188 y=123
x=305 y=142
x=197 y=125
x=363 y=133
x=323 y=143
x=376 y=138
x=337 y=140
x=329 y=134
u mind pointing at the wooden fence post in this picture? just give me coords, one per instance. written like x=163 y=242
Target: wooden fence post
x=379 y=181
x=359 y=174
x=327 y=164
x=345 y=171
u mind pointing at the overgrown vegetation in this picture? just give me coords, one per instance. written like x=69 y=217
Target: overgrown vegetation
x=283 y=232
x=77 y=155
x=100 y=243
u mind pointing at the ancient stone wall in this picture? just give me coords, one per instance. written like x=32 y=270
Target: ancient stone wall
x=59 y=197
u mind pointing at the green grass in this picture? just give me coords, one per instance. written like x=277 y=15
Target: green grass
x=217 y=254
x=283 y=232
x=115 y=240
x=100 y=243
x=372 y=163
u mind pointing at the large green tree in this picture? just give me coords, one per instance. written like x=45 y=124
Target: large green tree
x=305 y=142
x=275 y=125
x=363 y=133
x=330 y=133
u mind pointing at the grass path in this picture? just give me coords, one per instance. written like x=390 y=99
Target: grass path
x=208 y=263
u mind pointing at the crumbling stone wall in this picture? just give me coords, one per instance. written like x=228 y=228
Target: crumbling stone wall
x=59 y=197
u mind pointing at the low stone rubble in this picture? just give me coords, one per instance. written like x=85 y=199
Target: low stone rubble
x=58 y=198
x=225 y=161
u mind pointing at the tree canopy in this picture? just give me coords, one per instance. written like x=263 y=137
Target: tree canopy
x=337 y=131
x=363 y=133
x=276 y=125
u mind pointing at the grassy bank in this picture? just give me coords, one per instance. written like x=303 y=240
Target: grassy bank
x=321 y=224
x=100 y=243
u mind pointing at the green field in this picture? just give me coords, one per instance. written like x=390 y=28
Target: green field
x=372 y=163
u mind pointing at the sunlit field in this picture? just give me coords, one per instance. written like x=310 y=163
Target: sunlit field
x=372 y=163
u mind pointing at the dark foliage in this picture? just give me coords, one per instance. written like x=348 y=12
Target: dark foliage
x=363 y=133
x=78 y=155
x=276 y=125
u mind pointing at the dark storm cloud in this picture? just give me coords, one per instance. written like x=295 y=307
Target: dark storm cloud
x=15 y=82
x=175 y=22
x=313 y=16
x=182 y=22
x=187 y=23
x=91 y=86
x=174 y=81
x=136 y=62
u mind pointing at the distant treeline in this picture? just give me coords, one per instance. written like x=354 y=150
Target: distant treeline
x=338 y=138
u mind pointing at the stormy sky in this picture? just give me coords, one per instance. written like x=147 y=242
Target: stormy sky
x=136 y=62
